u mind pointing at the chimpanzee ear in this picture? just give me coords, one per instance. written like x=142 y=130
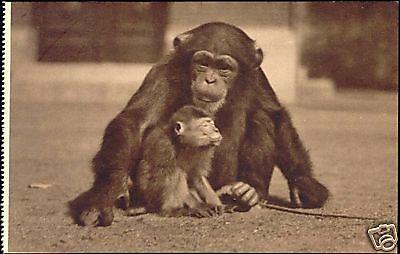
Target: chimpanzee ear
x=181 y=39
x=259 y=55
x=179 y=128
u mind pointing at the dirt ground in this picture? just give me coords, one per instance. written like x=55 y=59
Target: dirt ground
x=353 y=146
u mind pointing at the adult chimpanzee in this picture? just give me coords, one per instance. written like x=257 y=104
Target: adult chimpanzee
x=216 y=67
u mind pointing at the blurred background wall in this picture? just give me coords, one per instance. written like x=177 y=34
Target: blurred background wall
x=353 y=43
x=102 y=51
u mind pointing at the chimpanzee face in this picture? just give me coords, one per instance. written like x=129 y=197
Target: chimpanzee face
x=212 y=76
x=217 y=53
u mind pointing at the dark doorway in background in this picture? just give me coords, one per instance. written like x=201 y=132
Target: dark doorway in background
x=96 y=32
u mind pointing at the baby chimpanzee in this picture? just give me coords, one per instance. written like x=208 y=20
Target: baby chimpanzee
x=177 y=157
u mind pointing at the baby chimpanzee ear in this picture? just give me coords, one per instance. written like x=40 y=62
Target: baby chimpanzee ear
x=179 y=128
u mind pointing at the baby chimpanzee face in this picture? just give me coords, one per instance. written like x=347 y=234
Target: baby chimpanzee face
x=198 y=132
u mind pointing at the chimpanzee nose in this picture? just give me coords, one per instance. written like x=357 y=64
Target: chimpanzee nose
x=210 y=77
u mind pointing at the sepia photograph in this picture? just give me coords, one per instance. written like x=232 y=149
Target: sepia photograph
x=200 y=127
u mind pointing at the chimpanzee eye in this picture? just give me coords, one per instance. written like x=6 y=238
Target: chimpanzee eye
x=224 y=68
x=201 y=59
x=202 y=66
x=224 y=72
x=209 y=121
x=226 y=65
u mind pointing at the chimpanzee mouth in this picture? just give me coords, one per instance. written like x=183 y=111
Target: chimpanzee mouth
x=209 y=105
x=206 y=100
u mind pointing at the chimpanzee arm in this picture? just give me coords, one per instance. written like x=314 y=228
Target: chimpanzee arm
x=121 y=145
x=206 y=192
x=295 y=164
x=110 y=165
x=292 y=157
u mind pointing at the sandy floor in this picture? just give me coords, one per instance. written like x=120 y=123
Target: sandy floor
x=353 y=147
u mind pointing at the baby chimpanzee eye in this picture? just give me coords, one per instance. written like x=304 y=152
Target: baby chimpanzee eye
x=208 y=122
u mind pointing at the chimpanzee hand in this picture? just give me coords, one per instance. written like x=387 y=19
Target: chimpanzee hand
x=245 y=193
x=241 y=193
